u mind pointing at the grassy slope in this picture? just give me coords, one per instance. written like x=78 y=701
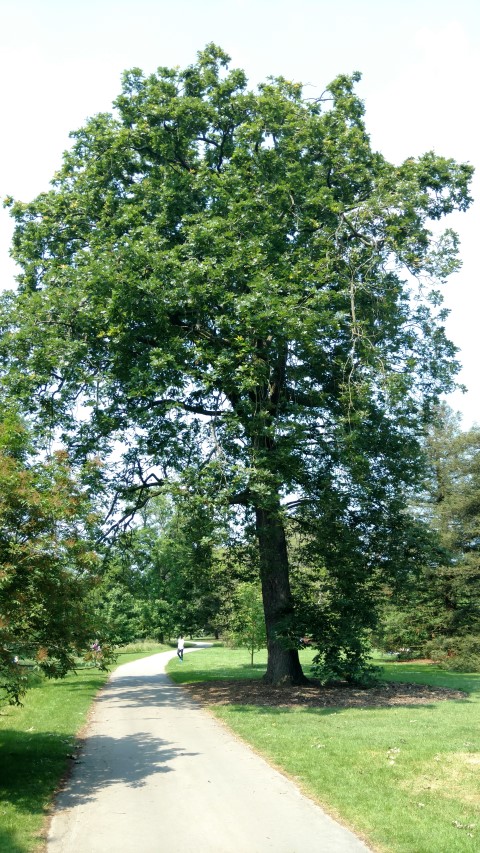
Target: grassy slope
x=35 y=742
x=404 y=777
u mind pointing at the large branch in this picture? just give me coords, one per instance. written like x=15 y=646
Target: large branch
x=310 y=401
x=241 y=498
x=187 y=407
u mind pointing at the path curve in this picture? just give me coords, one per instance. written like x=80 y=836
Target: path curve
x=159 y=775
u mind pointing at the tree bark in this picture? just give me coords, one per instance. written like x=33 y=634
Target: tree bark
x=283 y=665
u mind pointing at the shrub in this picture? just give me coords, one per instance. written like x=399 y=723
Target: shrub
x=345 y=665
x=459 y=654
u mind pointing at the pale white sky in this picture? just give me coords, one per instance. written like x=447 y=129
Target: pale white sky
x=61 y=61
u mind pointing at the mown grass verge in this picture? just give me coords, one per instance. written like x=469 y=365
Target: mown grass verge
x=37 y=742
x=403 y=777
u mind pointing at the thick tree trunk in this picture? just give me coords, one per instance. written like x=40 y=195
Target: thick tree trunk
x=283 y=662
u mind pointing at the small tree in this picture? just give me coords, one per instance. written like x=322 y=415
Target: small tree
x=47 y=563
x=248 y=620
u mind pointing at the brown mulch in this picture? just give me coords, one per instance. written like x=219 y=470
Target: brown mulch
x=313 y=695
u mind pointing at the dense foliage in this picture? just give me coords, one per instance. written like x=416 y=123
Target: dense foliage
x=437 y=610
x=233 y=286
x=47 y=563
x=163 y=578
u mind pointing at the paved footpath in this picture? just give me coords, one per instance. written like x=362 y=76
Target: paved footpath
x=159 y=775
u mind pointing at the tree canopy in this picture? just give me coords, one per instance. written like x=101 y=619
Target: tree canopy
x=235 y=288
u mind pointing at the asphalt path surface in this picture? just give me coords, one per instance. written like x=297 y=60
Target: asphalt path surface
x=157 y=774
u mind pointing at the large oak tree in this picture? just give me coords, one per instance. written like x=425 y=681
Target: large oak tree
x=236 y=287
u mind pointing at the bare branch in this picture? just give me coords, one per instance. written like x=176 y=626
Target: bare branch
x=372 y=244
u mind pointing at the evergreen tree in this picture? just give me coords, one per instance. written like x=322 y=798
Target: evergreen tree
x=440 y=604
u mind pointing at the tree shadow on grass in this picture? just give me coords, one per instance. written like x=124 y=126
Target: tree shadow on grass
x=271 y=711
x=89 y=684
x=31 y=765
x=9 y=844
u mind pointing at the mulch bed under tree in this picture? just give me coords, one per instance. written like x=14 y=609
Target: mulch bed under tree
x=313 y=695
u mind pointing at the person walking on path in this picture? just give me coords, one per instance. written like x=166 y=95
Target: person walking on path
x=180 y=647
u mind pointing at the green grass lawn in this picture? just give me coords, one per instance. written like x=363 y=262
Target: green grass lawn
x=36 y=741
x=406 y=778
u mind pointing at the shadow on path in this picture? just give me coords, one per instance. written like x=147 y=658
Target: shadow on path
x=140 y=691
x=128 y=760
x=123 y=795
